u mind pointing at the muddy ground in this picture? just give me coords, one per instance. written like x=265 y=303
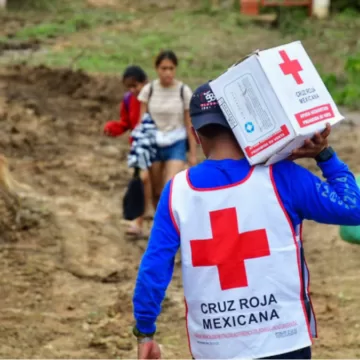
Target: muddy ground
x=67 y=271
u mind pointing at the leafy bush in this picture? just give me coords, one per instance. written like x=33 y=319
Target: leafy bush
x=43 y=5
x=30 y=4
x=346 y=89
x=343 y=5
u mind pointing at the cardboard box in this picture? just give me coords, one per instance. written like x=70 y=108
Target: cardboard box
x=274 y=100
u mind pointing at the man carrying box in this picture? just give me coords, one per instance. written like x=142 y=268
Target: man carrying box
x=246 y=283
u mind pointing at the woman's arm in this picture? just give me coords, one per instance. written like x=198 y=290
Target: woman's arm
x=143 y=110
x=144 y=98
x=191 y=138
x=187 y=121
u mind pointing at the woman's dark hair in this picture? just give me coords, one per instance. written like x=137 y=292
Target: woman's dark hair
x=135 y=72
x=166 y=55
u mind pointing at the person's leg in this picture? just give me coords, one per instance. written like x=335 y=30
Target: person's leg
x=175 y=157
x=173 y=167
x=156 y=178
x=145 y=177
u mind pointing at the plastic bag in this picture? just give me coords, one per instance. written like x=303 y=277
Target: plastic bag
x=351 y=234
x=134 y=199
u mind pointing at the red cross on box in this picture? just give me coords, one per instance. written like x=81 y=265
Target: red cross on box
x=291 y=67
x=228 y=249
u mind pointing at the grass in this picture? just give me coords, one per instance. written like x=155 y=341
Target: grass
x=105 y=41
x=346 y=88
x=44 y=5
x=207 y=42
x=63 y=25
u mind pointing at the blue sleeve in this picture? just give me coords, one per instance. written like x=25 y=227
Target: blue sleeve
x=156 y=267
x=334 y=201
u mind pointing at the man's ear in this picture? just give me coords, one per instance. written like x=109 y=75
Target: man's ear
x=195 y=135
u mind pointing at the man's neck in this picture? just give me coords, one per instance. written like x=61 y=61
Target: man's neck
x=226 y=150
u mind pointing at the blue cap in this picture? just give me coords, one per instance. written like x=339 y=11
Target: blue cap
x=205 y=109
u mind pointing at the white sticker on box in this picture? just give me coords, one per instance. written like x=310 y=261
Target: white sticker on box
x=244 y=94
x=227 y=113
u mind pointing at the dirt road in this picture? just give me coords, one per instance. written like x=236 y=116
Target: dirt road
x=67 y=272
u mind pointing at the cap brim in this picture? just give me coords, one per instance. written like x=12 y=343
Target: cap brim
x=201 y=120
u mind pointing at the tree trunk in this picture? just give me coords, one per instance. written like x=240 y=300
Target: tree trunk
x=2 y=4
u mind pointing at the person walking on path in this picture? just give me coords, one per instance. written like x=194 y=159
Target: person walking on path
x=246 y=283
x=167 y=101
x=134 y=79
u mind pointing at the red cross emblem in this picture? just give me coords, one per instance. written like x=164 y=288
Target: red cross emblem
x=228 y=249
x=291 y=67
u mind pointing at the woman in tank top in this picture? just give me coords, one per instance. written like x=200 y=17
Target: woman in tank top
x=167 y=100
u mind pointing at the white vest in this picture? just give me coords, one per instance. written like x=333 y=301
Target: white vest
x=241 y=269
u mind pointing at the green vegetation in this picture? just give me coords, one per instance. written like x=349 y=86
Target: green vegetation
x=45 y=5
x=206 y=40
x=341 y=5
x=346 y=88
x=83 y=20
x=107 y=41
x=336 y=40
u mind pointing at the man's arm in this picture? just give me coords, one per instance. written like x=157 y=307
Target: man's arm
x=334 y=201
x=156 y=267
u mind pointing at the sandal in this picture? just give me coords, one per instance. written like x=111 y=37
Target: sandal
x=149 y=217
x=134 y=230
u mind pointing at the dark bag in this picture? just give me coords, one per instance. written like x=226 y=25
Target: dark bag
x=134 y=199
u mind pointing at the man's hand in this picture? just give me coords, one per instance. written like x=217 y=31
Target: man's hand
x=148 y=349
x=312 y=147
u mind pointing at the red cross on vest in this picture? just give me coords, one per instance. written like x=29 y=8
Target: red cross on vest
x=228 y=249
x=291 y=67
